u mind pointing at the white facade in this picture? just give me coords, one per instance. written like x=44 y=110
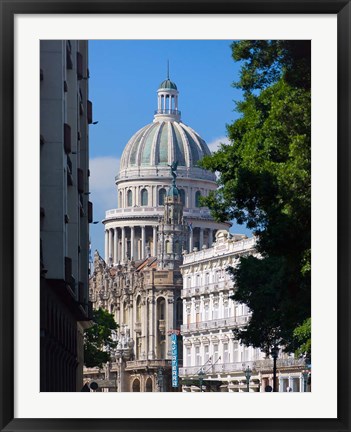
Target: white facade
x=211 y=355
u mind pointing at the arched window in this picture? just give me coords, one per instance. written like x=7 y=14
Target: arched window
x=138 y=311
x=197 y=199
x=129 y=198
x=144 y=197
x=182 y=196
x=161 y=196
x=120 y=201
x=136 y=386
x=148 y=385
x=179 y=312
x=161 y=308
x=125 y=313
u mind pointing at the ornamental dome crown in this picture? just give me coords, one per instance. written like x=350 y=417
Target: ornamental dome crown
x=168 y=84
x=164 y=140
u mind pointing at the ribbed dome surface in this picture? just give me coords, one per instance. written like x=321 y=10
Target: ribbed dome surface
x=168 y=84
x=163 y=142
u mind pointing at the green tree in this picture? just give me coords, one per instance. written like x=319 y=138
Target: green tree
x=264 y=181
x=98 y=341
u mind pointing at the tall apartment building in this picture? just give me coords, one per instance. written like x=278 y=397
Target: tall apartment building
x=213 y=359
x=65 y=212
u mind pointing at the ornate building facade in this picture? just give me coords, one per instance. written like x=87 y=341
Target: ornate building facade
x=159 y=217
x=144 y=297
x=212 y=359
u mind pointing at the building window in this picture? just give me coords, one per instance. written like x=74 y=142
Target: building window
x=120 y=201
x=215 y=311
x=225 y=353
x=206 y=312
x=161 y=308
x=207 y=353
x=188 y=356
x=144 y=197
x=197 y=199
x=129 y=198
x=182 y=196
x=148 y=386
x=235 y=351
x=136 y=386
x=161 y=196
x=215 y=352
x=197 y=356
x=138 y=314
x=179 y=312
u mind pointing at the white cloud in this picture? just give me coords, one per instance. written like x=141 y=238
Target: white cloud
x=103 y=171
x=214 y=145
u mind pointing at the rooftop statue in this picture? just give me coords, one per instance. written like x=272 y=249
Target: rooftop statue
x=174 y=167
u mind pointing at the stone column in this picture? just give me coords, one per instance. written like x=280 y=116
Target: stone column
x=151 y=335
x=191 y=240
x=170 y=324
x=123 y=248
x=115 y=244
x=106 y=246
x=132 y=242
x=201 y=240
x=142 y=242
x=110 y=245
x=210 y=237
x=154 y=252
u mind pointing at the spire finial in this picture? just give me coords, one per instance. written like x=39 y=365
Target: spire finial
x=167 y=69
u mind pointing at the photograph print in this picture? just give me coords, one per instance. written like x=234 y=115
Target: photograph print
x=175 y=216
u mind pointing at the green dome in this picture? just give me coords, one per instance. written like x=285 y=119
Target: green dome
x=168 y=84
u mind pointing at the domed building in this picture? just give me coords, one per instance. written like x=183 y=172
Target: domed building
x=158 y=218
x=143 y=180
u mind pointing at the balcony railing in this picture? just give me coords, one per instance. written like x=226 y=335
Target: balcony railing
x=153 y=211
x=142 y=364
x=207 y=288
x=255 y=366
x=221 y=249
x=215 y=324
x=168 y=111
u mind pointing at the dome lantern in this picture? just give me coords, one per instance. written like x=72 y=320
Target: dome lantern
x=167 y=100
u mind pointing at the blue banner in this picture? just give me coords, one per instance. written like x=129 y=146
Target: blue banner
x=174 y=360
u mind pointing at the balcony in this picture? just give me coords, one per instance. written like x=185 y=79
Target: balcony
x=143 y=364
x=168 y=111
x=143 y=211
x=265 y=365
x=221 y=249
x=207 y=289
x=222 y=323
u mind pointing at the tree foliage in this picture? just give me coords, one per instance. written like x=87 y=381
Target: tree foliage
x=98 y=341
x=265 y=182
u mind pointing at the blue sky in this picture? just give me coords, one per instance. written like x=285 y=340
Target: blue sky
x=124 y=78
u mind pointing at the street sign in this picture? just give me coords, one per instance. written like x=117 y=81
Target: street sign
x=174 y=360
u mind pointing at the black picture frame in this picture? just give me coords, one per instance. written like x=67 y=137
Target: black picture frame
x=8 y=10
